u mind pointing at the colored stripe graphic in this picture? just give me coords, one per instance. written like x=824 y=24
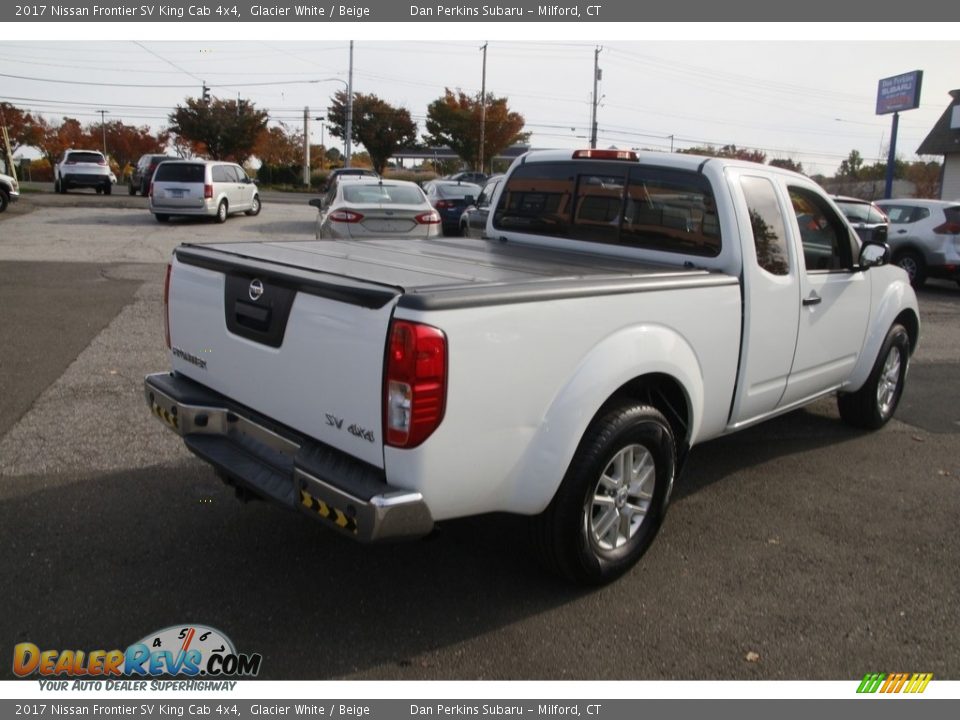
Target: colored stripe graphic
x=892 y=683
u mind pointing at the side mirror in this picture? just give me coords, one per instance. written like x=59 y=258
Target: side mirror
x=317 y=203
x=873 y=254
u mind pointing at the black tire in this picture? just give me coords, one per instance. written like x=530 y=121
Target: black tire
x=222 y=212
x=99 y=190
x=107 y=189
x=60 y=186
x=162 y=218
x=144 y=188
x=874 y=404
x=4 y=200
x=131 y=189
x=255 y=210
x=915 y=265
x=591 y=533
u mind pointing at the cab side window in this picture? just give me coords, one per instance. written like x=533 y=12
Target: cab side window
x=827 y=243
x=766 y=222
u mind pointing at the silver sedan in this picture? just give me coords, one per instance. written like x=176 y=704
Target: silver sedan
x=371 y=207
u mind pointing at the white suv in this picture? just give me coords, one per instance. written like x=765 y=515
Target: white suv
x=202 y=187
x=83 y=168
x=9 y=191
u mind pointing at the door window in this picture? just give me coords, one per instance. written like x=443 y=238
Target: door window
x=827 y=243
x=766 y=222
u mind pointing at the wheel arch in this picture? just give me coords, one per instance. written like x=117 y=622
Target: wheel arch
x=652 y=365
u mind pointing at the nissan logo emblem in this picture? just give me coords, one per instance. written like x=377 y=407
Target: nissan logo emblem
x=256 y=289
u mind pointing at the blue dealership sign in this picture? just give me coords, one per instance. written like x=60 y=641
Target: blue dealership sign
x=900 y=92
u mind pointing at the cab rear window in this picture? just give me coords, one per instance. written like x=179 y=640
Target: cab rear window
x=639 y=206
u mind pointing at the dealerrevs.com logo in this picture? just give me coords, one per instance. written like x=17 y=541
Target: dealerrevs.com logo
x=893 y=683
x=192 y=651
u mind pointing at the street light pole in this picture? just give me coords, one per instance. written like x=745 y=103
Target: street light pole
x=348 y=130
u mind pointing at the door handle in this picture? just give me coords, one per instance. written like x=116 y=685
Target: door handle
x=814 y=299
x=901 y=232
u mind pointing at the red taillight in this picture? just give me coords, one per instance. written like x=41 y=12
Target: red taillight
x=207 y=192
x=947 y=228
x=415 y=389
x=101 y=162
x=166 y=306
x=428 y=218
x=605 y=154
x=345 y=216
x=443 y=204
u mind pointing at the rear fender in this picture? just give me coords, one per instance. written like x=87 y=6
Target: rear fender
x=624 y=356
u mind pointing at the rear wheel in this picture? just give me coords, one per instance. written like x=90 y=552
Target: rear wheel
x=873 y=405
x=131 y=189
x=4 y=200
x=913 y=263
x=612 y=500
x=107 y=189
x=162 y=218
x=222 y=211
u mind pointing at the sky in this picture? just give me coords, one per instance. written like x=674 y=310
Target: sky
x=812 y=102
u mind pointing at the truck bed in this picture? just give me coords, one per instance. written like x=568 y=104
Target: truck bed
x=455 y=272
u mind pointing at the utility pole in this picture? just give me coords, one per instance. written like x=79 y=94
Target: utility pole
x=483 y=106
x=306 y=146
x=348 y=130
x=597 y=73
x=103 y=128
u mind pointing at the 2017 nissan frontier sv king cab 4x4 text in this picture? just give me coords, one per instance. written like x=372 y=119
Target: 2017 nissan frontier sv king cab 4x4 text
x=623 y=309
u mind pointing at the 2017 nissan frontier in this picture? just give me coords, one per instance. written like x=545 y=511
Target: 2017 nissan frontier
x=624 y=308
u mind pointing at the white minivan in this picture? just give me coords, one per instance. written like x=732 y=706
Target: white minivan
x=202 y=187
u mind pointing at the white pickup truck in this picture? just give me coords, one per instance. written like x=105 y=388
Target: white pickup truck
x=623 y=309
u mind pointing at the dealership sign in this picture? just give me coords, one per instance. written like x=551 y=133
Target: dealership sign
x=900 y=92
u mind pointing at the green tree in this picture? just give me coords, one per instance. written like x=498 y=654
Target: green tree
x=851 y=167
x=787 y=164
x=219 y=129
x=727 y=151
x=454 y=120
x=380 y=127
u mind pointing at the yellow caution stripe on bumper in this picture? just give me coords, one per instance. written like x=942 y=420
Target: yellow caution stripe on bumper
x=168 y=417
x=327 y=512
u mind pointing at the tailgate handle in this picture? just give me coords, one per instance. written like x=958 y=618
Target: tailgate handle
x=252 y=316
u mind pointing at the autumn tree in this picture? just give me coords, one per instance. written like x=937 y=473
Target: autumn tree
x=126 y=143
x=380 y=127
x=22 y=128
x=850 y=168
x=454 y=120
x=926 y=178
x=55 y=138
x=219 y=129
x=279 y=145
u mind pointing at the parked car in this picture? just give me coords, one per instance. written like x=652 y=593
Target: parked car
x=83 y=168
x=468 y=176
x=346 y=172
x=9 y=191
x=365 y=207
x=473 y=220
x=202 y=187
x=450 y=198
x=143 y=173
x=867 y=219
x=924 y=238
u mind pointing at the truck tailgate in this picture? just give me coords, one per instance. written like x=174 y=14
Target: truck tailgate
x=304 y=348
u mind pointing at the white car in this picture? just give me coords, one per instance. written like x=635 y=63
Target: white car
x=9 y=191
x=202 y=187
x=364 y=207
x=924 y=238
x=83 y=168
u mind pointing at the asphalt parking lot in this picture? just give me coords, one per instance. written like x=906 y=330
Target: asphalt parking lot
x=799 y=549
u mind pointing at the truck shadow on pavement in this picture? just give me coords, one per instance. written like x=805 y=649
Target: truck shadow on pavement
x=102 y=561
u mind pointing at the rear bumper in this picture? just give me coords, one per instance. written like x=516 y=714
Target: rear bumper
x=85 y=180
x=280 y=465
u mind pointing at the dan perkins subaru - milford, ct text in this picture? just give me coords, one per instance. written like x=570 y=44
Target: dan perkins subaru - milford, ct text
x=463 y=11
